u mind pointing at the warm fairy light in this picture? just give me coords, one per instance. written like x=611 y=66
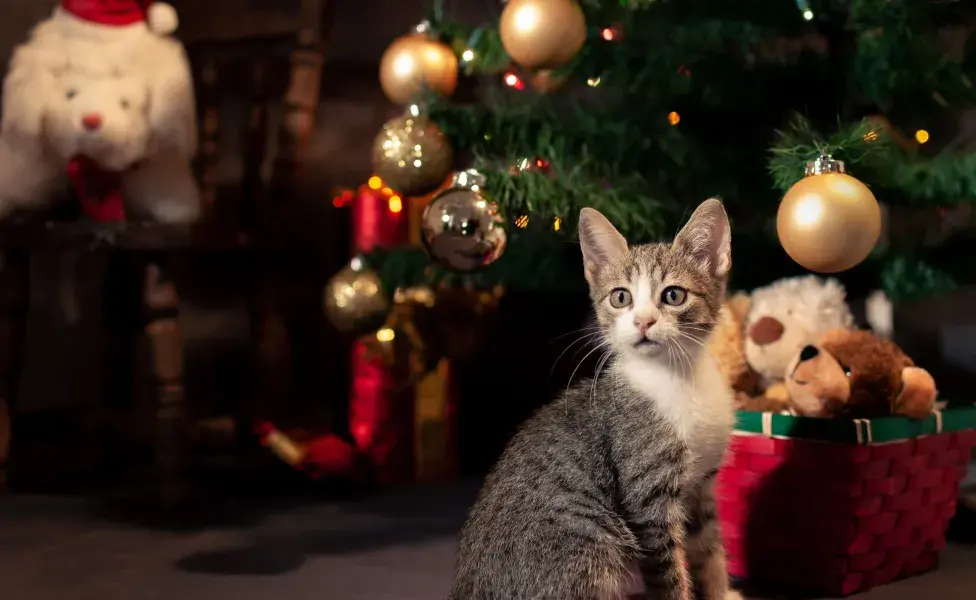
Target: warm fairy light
x=608 y=34
x=385 y=335
x=593 y=81
x=467 y=55
x=683 y=71
x=557 y=223
x=513 y=81
x=870 y=136
x=522 y=222
x=921 y=136
x=808 y=15
x=396 y=204
x=387 y=191
x=674 y=118
x=375 y=183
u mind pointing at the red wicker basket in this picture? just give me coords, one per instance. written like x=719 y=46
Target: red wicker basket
x=837 y=507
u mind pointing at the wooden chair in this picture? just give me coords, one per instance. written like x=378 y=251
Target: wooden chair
x=271 y=67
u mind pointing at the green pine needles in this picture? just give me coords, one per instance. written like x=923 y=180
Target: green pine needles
x=697 y=98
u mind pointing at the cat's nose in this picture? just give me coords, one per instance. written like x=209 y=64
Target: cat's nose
x=809 y=353
x=643 y=323
x=766 y=331
x=91 y=121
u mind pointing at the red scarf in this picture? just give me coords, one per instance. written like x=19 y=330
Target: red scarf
x=99 y=190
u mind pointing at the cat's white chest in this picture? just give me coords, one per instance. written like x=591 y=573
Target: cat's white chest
x=697 y=404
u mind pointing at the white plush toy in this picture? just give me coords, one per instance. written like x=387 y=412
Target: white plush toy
x=110 y=62
x=787 y=315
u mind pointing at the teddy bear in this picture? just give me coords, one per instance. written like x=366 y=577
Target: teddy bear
x=727 y=346
x=787 y=315
x=97 y=135
x=759 y=333
x=95 y=40
x=854 y=373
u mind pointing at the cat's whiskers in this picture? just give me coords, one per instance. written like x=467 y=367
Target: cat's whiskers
x=596 y=375
x=588 y=337
x=602 y=344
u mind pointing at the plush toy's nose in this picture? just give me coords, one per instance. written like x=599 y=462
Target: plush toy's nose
x=91 y=121
x=766 y=331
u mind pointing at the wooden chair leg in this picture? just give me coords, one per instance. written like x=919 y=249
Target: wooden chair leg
x=166 y=370
x=14 y=299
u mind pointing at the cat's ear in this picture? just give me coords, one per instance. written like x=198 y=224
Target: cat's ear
x=601 y=243
x=708 y=238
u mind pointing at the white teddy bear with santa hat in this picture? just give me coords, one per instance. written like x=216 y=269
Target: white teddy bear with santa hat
x=85 y=75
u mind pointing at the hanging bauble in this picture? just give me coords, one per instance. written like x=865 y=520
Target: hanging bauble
x=828 y=221
x=546 y=81
x=411 y=154
x=542 y=34
x=354 y=299
x=461 y=229
x=416 y=63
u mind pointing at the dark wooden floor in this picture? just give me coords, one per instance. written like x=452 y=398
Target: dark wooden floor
x=396 y=545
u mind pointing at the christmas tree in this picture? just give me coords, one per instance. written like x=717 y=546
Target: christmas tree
x=644 y=108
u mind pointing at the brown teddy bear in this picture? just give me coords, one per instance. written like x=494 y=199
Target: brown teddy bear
x=727 y=345
x=856 y=374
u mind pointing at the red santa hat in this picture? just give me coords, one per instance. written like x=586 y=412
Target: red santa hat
x=159 y=17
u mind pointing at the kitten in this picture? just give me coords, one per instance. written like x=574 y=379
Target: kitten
x=620 y=469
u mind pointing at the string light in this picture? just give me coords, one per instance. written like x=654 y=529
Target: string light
x=557 y=224
x=375 y=183
x=804 y=7
x=921 y=136
x=396 y=204
x=609 y=34
x=674 y=118
x=513 y=81
x=468 y=55
x=522 y=222
x=385 y=335
x=870 y=136
x=593 y=81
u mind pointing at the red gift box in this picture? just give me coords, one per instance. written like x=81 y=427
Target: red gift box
x=835 y=508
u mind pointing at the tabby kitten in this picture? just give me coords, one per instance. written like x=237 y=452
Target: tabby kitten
x=619 y=471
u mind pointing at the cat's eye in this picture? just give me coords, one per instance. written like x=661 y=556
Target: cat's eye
x=674 y=296
x=70 y=94
x=620 y=298
x=124 y=104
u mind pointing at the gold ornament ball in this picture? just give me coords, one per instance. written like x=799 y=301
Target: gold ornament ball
x=828 y=223
x=413 y=63
x=412 y=155
x=542 y=34
x=462 y=230
x=354 y=300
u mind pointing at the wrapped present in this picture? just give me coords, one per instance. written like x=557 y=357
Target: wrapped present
x=401 y=409
x=835 y=507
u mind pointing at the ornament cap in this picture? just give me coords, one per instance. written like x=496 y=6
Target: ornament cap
x=471 y=179
x=823 y=164
x=422 y=28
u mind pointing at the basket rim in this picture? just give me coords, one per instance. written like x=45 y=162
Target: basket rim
x=854 y=431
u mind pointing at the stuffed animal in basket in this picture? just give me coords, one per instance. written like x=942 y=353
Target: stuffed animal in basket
x=97 y=134
x=766 y=329
x=856 y=374
x=727 y=345
x=86 y=42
